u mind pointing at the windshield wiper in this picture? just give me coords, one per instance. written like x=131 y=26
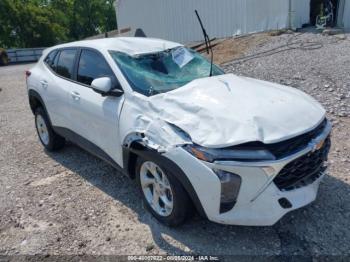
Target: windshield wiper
x=207 y=43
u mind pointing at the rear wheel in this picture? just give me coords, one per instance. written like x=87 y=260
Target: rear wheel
x=163 y=194
x=50 y=140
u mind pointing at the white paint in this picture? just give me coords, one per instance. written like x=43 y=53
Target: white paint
x=204 y=181
x=176 y=20
x=212 y=112
x=78 y=108
x=103 y=84
x=229 y=110
x=95 y=118
x=264 y=210
x=129 y=45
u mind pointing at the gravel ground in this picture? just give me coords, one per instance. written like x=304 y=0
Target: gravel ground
x=323 y=70
x=72 y=203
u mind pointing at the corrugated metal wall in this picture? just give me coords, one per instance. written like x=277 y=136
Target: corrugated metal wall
x=300 y=12
x=175 y=20
x=346 y=14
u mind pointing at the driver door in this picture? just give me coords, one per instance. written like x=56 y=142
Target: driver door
x=95 y=118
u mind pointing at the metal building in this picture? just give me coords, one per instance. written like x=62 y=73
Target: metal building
x=344 y=14
x=175 y=19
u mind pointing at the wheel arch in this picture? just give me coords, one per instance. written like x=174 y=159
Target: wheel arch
x=35 y=101
x=135 y=149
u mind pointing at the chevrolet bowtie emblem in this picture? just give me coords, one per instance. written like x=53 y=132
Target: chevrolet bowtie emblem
x=318 y=146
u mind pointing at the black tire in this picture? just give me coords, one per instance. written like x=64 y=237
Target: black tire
x=55 y=141
x=3 y=58
x=182 y=204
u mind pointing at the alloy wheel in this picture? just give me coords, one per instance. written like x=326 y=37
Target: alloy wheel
x=42 y=129
x=156 y=188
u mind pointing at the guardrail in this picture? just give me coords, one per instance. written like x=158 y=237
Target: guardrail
x=24 y=54
x=18 y=55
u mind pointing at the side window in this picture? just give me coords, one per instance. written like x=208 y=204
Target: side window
x=65 y=63
x=50 y=59
x=54 y=65
x=91 y=66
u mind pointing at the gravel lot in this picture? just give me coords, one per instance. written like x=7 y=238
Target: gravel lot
x=72 y=203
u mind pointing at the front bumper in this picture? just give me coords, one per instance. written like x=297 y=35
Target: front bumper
x=258 y=199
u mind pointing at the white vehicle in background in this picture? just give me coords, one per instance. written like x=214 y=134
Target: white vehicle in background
x=240 y=150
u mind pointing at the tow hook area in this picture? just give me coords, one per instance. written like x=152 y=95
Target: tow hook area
x=284 y=202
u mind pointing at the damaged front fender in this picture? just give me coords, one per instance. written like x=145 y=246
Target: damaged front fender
x=139 y=124
x=141 y=131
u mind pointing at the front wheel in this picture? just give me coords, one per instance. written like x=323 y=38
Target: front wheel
x=163 y=194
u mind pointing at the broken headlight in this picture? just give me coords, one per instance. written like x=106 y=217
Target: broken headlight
x=212 y=154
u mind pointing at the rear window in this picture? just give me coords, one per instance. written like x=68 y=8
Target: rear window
x=50 y=59
x=65 y=64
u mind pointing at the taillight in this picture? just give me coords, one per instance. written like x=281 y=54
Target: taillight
x=28 y=73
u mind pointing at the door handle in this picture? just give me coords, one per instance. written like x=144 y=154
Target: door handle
x=44 y=83
x=75 y=95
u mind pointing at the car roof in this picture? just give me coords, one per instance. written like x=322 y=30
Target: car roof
x=129 y=45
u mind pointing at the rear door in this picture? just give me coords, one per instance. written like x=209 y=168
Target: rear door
x=57 y=85
x=95 y=118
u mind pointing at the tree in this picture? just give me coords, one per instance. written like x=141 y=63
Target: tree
x=6 y=23
x=91 y=17
x=29 y=24
x=41 y=23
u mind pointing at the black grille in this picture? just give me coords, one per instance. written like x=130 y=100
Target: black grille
x=293 y=145
x=287 y=147
x=304 y=170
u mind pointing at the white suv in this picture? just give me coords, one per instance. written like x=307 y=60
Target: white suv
x=238 y=150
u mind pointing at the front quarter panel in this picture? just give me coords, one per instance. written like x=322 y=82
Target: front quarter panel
x=138 y=117
x=204 y=181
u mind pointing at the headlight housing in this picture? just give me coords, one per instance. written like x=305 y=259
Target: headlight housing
x=213 y=154
x=230 y=186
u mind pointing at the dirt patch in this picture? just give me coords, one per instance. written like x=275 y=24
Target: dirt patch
x=49 y=180
x=235 y=47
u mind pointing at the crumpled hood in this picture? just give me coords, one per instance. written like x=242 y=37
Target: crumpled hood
x=229 y=110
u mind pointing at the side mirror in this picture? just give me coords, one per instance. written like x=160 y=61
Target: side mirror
x=104 y=87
